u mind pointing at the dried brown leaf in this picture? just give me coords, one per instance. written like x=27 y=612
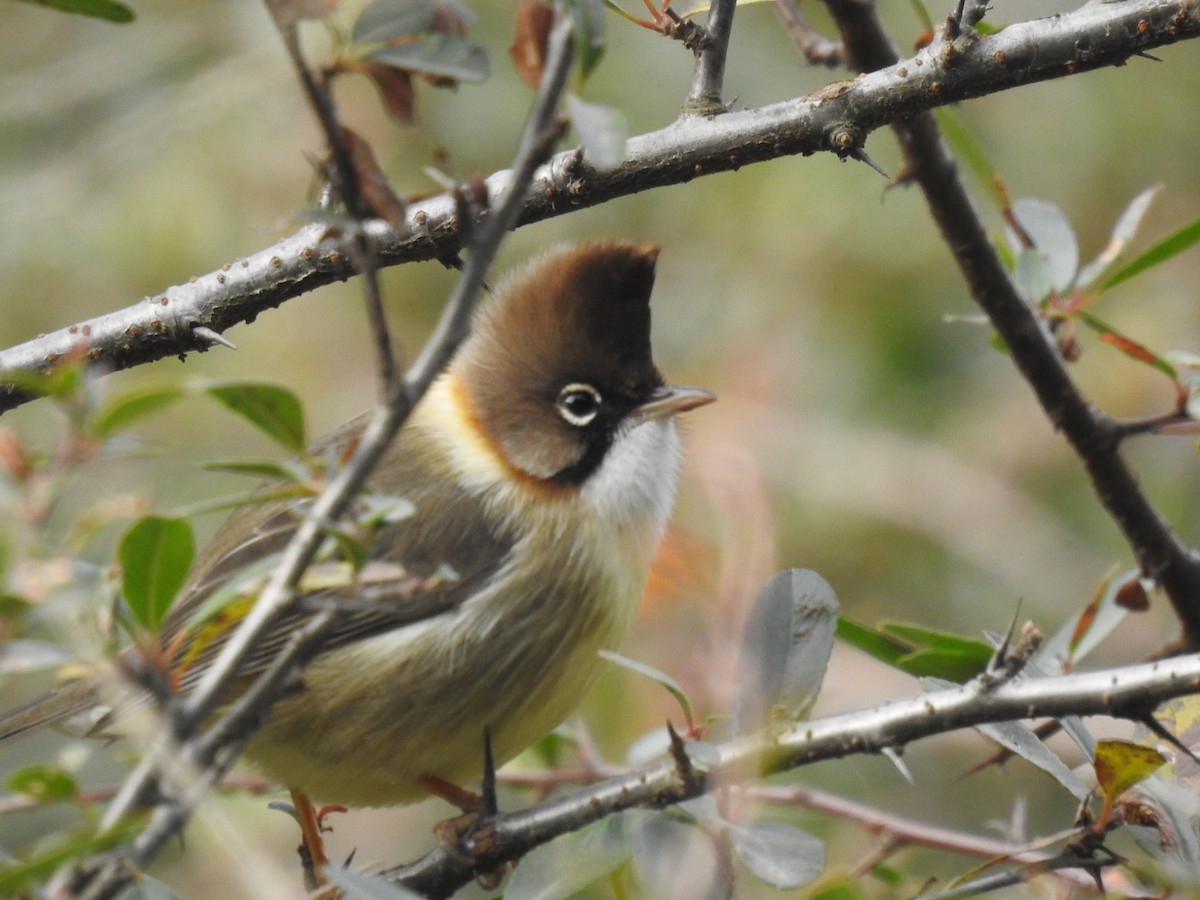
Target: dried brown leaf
x=382 y=201
x=531 y=31
x=395 y=89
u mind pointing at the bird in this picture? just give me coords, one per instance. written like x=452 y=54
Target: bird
x=540 y=468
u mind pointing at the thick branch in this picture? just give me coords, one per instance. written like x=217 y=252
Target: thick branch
x=1094 y=437
x=837 y=117
x=1129 y=692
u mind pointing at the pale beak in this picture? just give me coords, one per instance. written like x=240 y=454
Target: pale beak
x=668 y=401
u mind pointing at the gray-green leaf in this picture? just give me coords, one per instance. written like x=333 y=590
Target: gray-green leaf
x=786 y=644
x=1052 y=236
x=780 y=854
x=602 y=130
x=438 y=54
x=571 y=862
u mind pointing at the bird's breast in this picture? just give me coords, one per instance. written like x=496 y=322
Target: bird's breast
x=516 y=656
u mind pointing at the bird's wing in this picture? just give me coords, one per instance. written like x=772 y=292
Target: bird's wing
x=422 y=566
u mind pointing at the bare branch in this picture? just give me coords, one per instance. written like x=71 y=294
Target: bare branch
x=708 y=81
x=1094 y=437
x=813 y=46
x=1096 y=36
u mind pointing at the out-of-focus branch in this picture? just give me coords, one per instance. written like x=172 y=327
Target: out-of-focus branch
x=813 y=46
x=836 y=117
x=212 y=753
x=1125 y=692
x=1095 y=438
x=899 y=831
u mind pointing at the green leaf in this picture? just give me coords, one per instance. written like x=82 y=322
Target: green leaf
x=45 y=784
x=1128 y=346
x=965 y=147
x=444 y=55
x=919 y=650
x=922 y=636
x=871 y=641
x=118 y=414
x=687 y=8
x=155 y=554
x=251 y=498
x=846 y=888
x=922 y=14
x=274 y=410
x=785 y=649
x=260 y=468
x=673 y=687
x=108 y=10
x=17 y=879
x=232 y=600
x=378 y=509
x=780 y=854
x=587 y=21
x=951 y=665
x=351 y=547
x=1166 y=248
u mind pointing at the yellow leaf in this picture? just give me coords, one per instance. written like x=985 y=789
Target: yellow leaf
x=1120 y=765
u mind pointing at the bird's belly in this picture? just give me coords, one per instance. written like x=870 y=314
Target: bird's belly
x=514 y=662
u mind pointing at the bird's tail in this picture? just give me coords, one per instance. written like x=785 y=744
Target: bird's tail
x=71 y=699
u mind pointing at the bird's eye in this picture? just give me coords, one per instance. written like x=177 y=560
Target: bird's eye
x=578 y=404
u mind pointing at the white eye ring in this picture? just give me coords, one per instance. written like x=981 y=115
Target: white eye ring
x=578 y=404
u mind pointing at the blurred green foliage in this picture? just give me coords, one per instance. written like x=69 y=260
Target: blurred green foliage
x=859 y=432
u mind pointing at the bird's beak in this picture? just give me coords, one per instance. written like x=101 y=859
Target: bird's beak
x=668 y=401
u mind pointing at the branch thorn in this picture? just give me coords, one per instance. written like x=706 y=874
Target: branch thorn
x=862 y=156
x=213 y=338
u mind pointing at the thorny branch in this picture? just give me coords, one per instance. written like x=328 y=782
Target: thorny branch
x=1127 y=691
x=186 y=317
x=1095 y=437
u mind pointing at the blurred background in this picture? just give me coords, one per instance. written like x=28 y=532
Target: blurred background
x=859 y=432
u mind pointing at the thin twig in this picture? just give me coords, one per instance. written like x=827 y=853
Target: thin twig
x=709 y=78
x=901 y=829
x=344 y=177
x=813 y=46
